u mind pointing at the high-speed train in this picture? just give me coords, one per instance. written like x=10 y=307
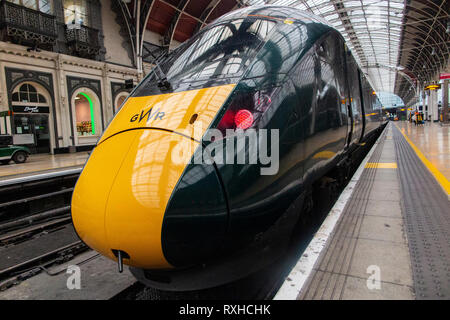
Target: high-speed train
x=185 y=225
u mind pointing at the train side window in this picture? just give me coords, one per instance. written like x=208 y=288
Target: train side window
x=331 y=87
x=352 y=74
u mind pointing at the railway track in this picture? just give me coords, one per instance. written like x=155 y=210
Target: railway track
x=27 y=232
x=38 y=242
x=35 y=225
x=31 y=267
x=30 y=251
x=25 y=203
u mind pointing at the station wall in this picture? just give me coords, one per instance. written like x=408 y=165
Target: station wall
x=117 y=48
x=62 y=78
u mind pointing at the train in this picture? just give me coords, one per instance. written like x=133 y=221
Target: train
x=190 y=225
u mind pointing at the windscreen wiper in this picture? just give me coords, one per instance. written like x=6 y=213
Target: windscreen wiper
x=163 y=83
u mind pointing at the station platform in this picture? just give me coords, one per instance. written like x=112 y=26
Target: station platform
x=39 y=164
x=388 y=235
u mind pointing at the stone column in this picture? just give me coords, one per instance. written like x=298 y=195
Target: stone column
x=3 y=90
x=433 y=105
x=108 y=103
x=425 y=109
x=60 y=98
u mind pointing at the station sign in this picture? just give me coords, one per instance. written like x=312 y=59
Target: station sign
x=432 y=87
x=444 y=76
x=31 y=109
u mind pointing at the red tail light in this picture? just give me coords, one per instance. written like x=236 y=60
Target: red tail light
x=246 y=109
x=243 y=119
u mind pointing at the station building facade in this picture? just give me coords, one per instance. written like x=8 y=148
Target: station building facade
x=63 y=68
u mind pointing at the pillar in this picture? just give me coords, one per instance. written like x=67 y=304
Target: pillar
x=445 y=101
x=433 y=105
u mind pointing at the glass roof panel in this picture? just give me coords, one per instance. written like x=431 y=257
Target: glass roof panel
x=376 y=25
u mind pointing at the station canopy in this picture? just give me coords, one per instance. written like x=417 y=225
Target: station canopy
x=398 y=43
x=401 y=45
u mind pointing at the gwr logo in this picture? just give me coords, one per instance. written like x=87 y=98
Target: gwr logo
x=149 y=115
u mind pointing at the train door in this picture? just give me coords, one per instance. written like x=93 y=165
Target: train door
x=354 y=105
x=332 y=93
x=370 y=117
x=342 y=83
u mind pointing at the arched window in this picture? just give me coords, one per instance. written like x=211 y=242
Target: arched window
x=85 y=115
x=28 y=93
x=119 y=101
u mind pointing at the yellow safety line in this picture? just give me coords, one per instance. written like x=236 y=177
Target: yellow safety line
x=441 y=179
x=381 y=165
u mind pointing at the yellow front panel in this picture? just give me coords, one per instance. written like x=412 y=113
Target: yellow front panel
x=140 y=194
x=171 y=111
x=92 y=190
x=122 y=194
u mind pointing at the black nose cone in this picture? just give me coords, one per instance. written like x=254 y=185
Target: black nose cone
x=196 y=219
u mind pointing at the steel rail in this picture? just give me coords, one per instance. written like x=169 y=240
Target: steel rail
x=7 y=238
x=16 y=268
x=42 y=196
x=30 y=219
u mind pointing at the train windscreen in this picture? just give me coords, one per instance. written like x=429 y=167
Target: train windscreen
x=218 y=55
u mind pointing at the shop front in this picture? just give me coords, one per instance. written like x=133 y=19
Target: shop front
x=31 y=128
x=30 y=124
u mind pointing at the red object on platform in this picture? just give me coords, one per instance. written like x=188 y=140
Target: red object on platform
x=444 y=76
x=243 y=119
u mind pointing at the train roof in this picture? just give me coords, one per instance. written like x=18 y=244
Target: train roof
x=274 y=12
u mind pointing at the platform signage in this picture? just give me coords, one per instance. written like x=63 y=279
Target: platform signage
x=31 y=109
x=444 y=76
x=432 y=87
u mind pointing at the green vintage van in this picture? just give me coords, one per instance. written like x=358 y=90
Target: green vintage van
x=8 y=151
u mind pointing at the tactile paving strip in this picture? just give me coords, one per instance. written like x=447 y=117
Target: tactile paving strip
x=426 y=213
x=328 y=280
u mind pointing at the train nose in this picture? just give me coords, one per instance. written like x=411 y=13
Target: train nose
x=134 y=196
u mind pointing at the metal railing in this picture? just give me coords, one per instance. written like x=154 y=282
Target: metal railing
x=25 y=19
x=82 y=35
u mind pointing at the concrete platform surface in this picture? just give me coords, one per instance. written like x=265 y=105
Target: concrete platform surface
x=38 y=163
x=391 y=238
